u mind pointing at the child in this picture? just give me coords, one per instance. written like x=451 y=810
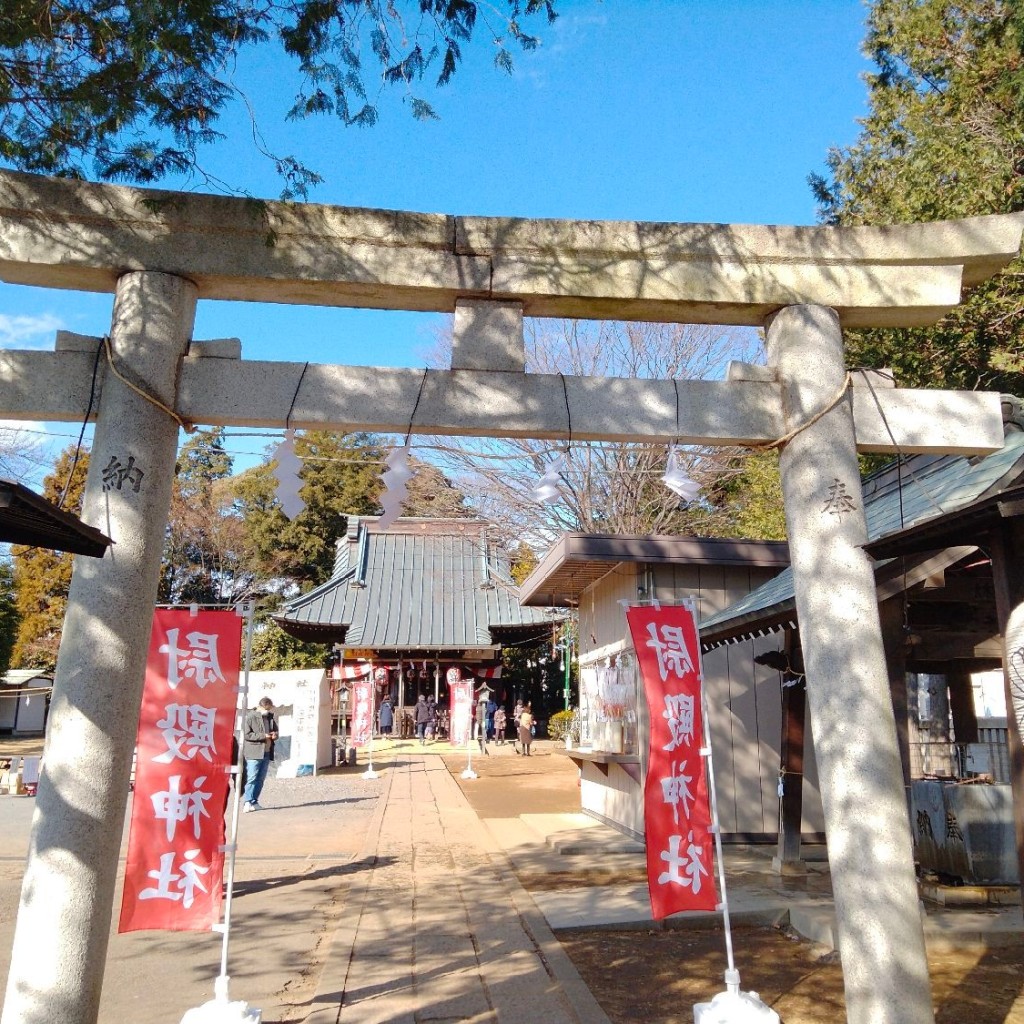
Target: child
x=500 y=725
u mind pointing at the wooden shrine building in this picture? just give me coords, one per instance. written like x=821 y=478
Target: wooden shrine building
x=418 y=604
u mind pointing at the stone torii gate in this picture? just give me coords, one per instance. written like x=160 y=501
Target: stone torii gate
x=160 y=252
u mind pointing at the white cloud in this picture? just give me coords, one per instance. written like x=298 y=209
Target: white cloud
x=572 y=32
x=29 y=331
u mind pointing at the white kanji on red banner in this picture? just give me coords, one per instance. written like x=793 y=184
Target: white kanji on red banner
x=461 y=697
x=175 y=856
x=677 y=814
x=362 y=713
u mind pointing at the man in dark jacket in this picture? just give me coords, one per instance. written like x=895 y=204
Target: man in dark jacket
x=258 y=736
x=421 y=716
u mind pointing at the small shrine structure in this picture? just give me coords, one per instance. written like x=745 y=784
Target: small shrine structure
x=419 y=604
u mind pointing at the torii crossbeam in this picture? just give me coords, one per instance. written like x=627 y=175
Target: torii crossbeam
x=159 y=252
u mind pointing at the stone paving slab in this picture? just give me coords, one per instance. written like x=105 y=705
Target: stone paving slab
x=595 y=842
x=438 y=928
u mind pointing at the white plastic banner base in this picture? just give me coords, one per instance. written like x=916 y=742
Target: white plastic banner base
x=733 y=1008
x=220 y=1011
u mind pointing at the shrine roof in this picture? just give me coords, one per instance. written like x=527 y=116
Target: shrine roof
x=578 y=560
x=907 y=493
x=27 y=518
x=421 y=585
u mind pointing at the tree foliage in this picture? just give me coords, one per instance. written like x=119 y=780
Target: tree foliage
x=341 y=477
x=522 y=561
x=204 y=550
x=943 y=138
x=42 y=577
x=752 y=497
x=9 y=615
x=532 y=674
x=133 y=89
x=273 y=650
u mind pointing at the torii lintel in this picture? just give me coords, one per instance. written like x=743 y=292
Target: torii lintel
x=68 y=234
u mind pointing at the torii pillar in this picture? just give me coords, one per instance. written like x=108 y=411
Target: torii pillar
x=870 y=852
x=68 y=889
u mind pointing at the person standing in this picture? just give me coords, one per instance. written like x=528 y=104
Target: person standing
x=500 y=725
x=516 y=712
x=431 y=718
x=481 y=720
x=421 y=716
x=387 y=717
x=526 y=729
x=258 y=736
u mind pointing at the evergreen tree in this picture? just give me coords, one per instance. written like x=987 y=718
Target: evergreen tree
x=42 y=578
x=204 y=535
x=532 y=673
x=341 y=477
x=944 y=138
x=9 y=615
x=273 y=650
x=749 y=502
x=134 y=91
x=523 y=560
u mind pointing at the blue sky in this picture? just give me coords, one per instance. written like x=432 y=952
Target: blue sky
x=688 y=110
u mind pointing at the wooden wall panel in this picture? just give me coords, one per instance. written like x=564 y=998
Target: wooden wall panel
x=722 y=723
x=741 y=711
x=744 y=700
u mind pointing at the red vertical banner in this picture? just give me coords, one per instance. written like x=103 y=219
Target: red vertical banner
x=175 y=856
x=461 y=697
x=362 y=712
x=677 y=815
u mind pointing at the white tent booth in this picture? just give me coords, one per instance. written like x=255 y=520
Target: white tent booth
x=24 y=699
x=302 y=703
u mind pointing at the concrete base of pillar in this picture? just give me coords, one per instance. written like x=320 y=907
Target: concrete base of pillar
x=789 y=867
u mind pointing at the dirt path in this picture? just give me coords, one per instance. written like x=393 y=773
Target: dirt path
x=670 y=970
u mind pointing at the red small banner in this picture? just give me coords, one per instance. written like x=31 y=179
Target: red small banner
x=677 y=816
x=461 y=697
x=362 y=713
x=175 y=856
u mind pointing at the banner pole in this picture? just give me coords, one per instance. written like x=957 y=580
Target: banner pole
x=221 y=1010
x=221 y=984
x=732 y=976
x=731 y=1006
